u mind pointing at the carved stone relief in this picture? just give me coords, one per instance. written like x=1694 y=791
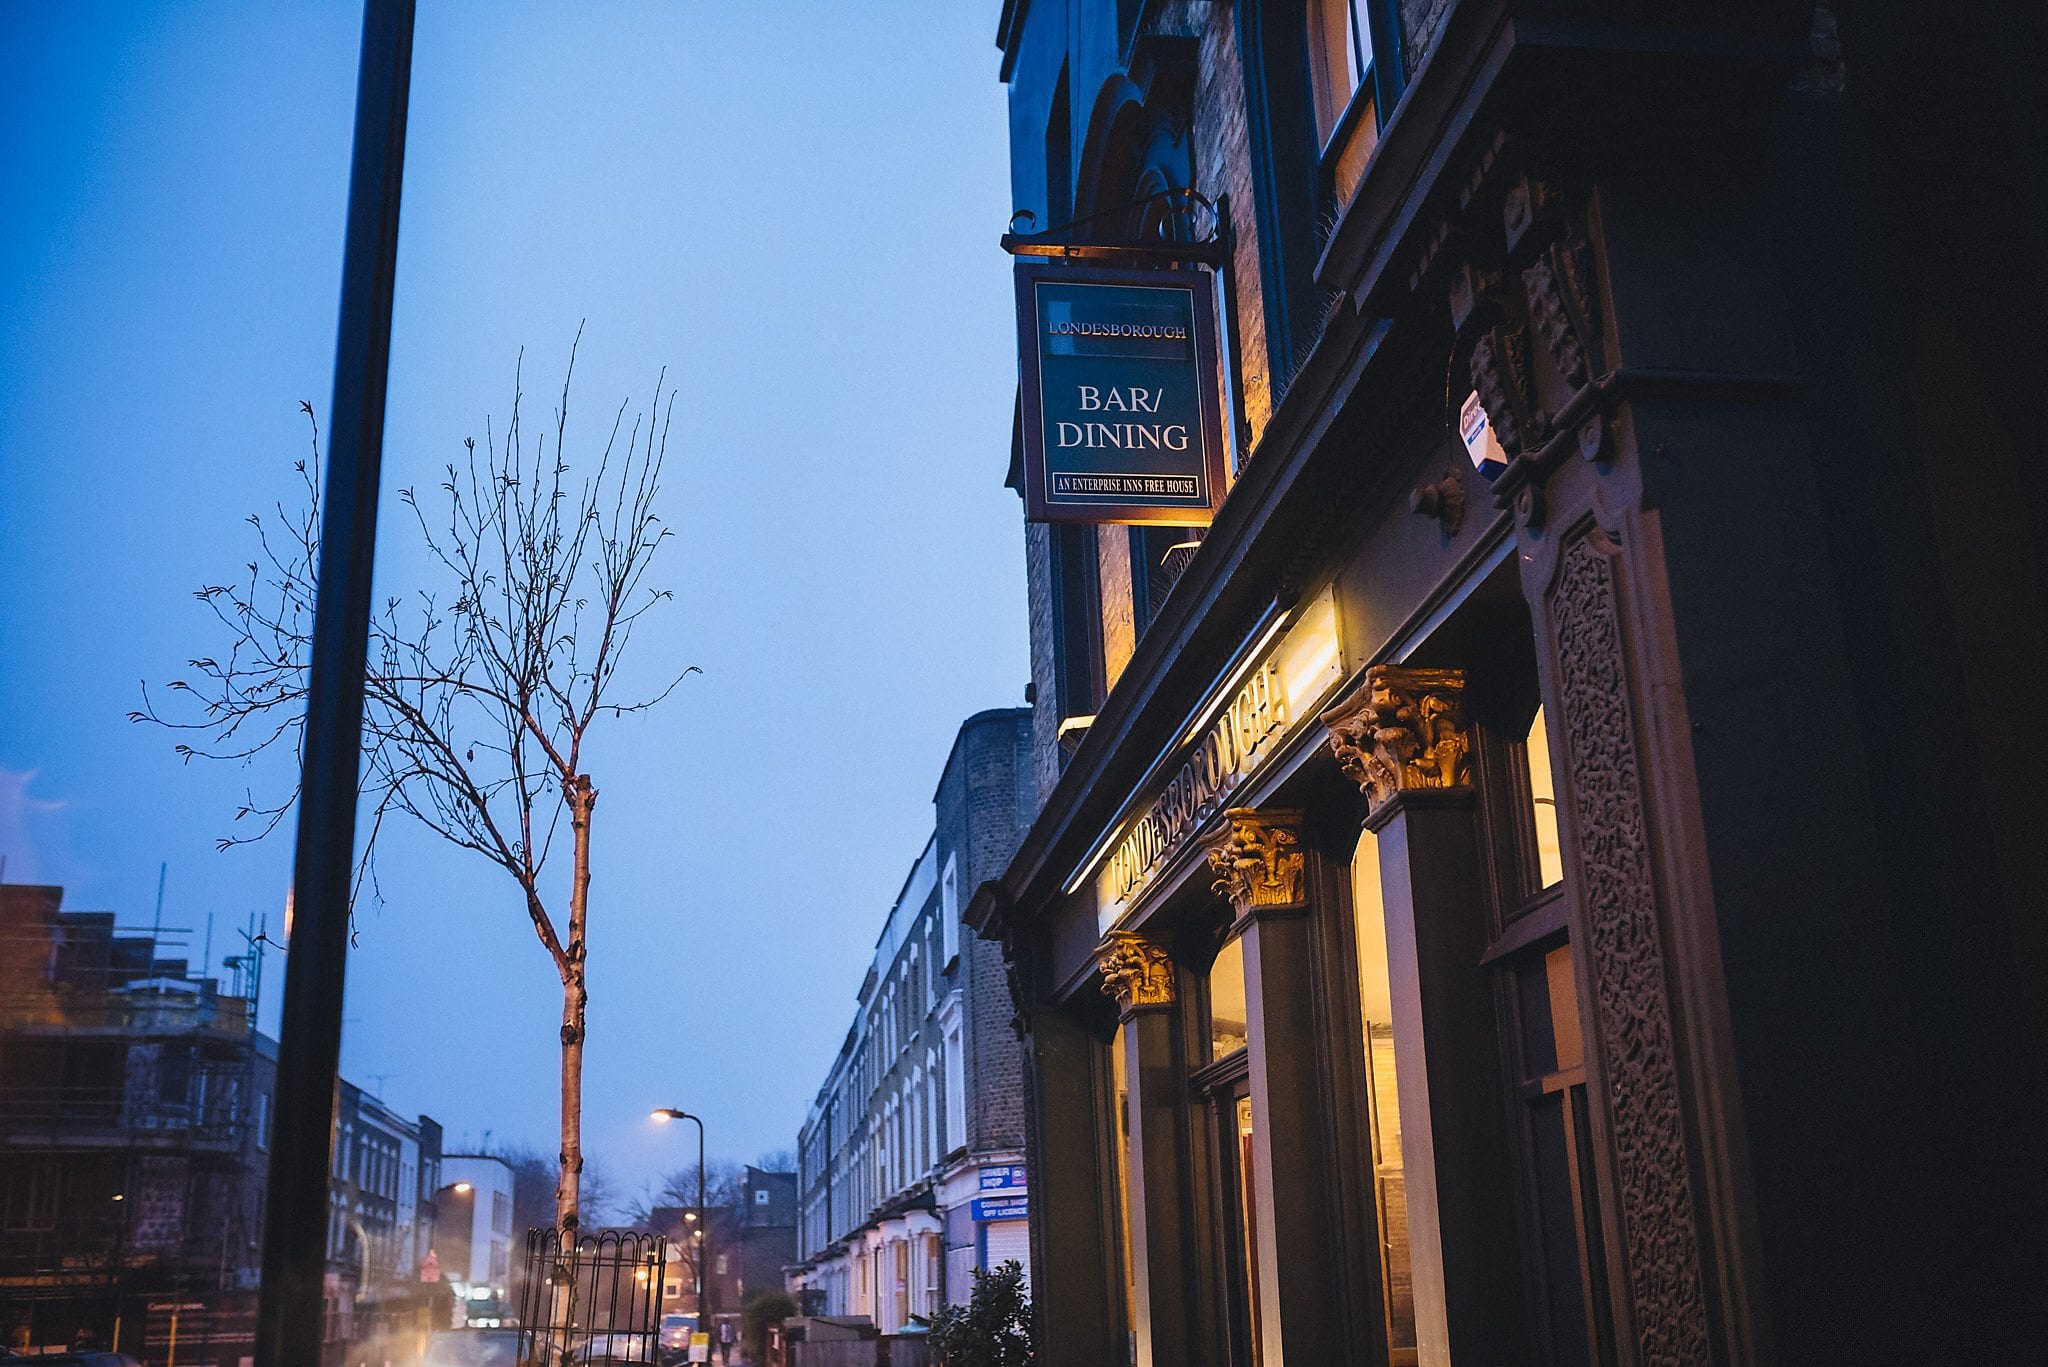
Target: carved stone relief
x=1256 y=857
x=1402 y=730
x=1521 y=285
x=1625 y=963
x=1137 y=972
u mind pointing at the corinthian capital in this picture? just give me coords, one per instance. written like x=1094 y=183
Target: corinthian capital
x=1403 y=730
x=1256 y=857
x=1134 y=970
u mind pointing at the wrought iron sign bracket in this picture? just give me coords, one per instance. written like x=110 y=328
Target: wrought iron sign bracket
x=1064 y=243
x=1211 y=254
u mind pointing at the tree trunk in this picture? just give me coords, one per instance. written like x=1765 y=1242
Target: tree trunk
x=582 y=798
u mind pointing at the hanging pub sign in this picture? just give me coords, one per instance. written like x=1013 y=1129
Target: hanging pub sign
x=1123 y=412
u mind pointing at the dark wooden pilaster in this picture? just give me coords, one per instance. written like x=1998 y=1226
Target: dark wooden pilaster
x=1460 y=1175
x=1161 y=1198
x=1402 y=736
x=1073 y=1266
x=1259 y=861
x=1581 y=376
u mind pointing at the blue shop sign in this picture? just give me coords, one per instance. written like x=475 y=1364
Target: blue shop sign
x=1008 y=1177
x=1000 y=1207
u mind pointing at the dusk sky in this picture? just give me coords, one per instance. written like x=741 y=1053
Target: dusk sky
x=793 y=212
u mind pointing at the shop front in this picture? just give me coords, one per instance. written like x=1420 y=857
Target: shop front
x=1305 y=1020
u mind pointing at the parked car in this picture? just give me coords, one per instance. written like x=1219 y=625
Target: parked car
x=676 y=1331
x=609 y=1348
x=472 y=1348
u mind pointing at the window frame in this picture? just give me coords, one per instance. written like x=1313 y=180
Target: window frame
x=1530 y=922
x=1376 y=91
x=1319 y=68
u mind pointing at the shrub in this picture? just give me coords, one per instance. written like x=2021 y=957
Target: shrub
x=762 y=1309
x=993 y=1329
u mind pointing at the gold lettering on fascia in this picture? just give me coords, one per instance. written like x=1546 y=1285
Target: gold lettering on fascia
x=1165 y=332
x=1198 y=787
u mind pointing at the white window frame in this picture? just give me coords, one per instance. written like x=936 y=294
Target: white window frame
x=956 y=1077
x=949 y=907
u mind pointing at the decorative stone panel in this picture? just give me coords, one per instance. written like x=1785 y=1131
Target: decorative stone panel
x=1625 y=963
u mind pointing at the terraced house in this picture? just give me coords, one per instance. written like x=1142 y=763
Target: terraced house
x=910 y=1162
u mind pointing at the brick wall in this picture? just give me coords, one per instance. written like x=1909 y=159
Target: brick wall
x=1223 y=167
x=1119 y=608
x=1420 y=20
x=985 y=804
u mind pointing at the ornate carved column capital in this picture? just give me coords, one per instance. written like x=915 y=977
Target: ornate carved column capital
x=1256 y=857
x=1135 y=970
x=1403 y=730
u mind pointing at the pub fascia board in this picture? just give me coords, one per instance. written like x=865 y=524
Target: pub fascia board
x=1310 y=656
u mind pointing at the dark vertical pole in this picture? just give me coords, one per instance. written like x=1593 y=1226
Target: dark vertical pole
x=703 y=1231
x=290 y=1317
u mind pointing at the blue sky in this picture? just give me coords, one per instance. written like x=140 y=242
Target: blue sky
x=791 y=206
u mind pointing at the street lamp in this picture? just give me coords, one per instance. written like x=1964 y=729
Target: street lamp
x=666 y=1113
x=434 y=1221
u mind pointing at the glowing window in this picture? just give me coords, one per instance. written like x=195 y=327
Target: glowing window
x=1228 y=1032
x=1340 y=58
x=1543 y=801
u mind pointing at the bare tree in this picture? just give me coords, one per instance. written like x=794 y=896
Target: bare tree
x=724 y=1184
x=482 y=686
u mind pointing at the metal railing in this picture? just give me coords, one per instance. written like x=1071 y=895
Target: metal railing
x=214 y=1118
x=591 y=1298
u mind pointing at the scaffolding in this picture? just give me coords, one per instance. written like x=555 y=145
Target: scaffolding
x=130 y=1176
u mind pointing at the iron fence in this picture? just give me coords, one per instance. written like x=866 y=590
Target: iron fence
x=591 y=1298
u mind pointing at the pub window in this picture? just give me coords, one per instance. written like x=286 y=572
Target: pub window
x=1244 y=1188
x=1226 y=1083
x=1340 y=55
x=1537 y=988
x=1342 y=81
x=1120 y=1123
x=1077 y=624
x=1543 y=804
x=1158 y=555
x=1382 y=1092
x=1228 y=1032
x=1557 y=1154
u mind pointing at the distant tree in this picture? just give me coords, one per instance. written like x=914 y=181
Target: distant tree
x=533 y=1184
x=724 y=1184
x=993 y=1329
x=724 y=1188
x=777 y=1160
x=484 y=680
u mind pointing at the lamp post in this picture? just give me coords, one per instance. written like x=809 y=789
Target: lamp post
x=434 y=1224
x=703 y=1225
x=289 y=1316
